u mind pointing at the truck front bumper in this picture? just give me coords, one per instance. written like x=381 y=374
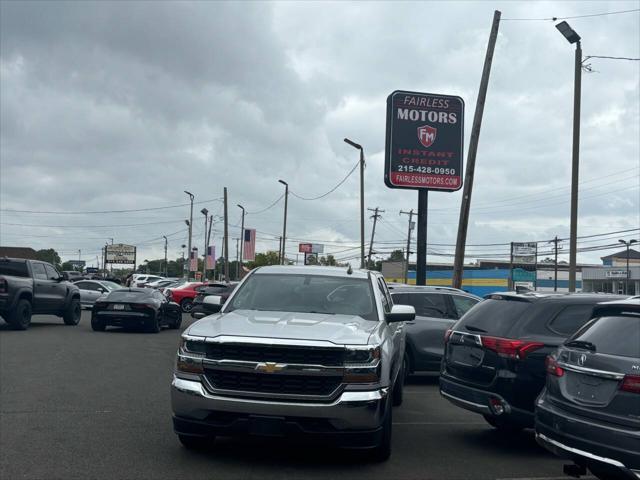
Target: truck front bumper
x=353 y=420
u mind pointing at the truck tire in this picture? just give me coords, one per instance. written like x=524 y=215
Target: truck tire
x=192 y=442
x=382 y=451
x=20 y=317
x=73 y=313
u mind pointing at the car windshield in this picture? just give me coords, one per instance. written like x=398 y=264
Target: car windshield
x=306 y=294
x=111 y=285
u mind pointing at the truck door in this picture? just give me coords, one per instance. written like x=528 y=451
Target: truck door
x=58 y=289
x=41 y=288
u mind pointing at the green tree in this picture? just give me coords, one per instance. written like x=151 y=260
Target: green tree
x=49 y=255
x=396 y=256
x=262 y=259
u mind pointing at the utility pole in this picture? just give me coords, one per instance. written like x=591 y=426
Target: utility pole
x=209 y=244
x=166 y=266
x=241 y=235
x=205 y=212
x=191 y=197
x=555 y=263
x=237 y=258
x=280 y=250
x=284 y=226
x=626 y=284
x=465 y=206
x=409 y=229
x=510 y=285
x=375 y=217
x=226 y=238
x=362 y=165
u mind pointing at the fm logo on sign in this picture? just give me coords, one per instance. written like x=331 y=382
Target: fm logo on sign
x=427 y=135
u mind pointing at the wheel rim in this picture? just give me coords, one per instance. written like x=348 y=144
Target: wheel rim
x=25 y=315
x=187 y=306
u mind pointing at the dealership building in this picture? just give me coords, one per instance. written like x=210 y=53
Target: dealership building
x=613 y=276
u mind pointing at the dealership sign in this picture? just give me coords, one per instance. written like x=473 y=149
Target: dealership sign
x=425 y=133
x=524 y=252
x=310 y=248
x=121 y=254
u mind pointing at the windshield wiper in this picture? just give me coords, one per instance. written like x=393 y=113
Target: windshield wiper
x=581 y=344
x=475 y=329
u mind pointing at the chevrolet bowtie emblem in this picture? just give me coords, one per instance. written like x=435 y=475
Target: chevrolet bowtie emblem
x=270 y=367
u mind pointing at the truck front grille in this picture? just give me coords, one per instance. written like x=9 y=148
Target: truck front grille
x=330 y=357
x=273 y=383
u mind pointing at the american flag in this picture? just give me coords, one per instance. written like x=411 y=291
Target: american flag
x=193 y=260
x=211 y=257
x=249 y=246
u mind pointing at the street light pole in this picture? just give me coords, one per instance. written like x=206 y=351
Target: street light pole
x=359 y=147
x=573 y=37
x=205 y=212
x=626 y=283
x=284 y=226
x=191 y=197
x=241 y=239
x=166 y=267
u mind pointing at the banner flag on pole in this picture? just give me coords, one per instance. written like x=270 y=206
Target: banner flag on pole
x=249 y=247
x=193 y=260
x=211 y=257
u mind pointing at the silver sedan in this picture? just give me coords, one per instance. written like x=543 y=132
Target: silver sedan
x=91 y=290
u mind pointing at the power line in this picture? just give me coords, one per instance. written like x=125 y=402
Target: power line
x=553 y=19
x=267 y=208
x=92 y=226
x=330 y=191
x=610 y=58
x=91 y=212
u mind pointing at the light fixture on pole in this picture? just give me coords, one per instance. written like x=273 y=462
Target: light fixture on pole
x=190 y=225
x=205 y=212
x=573 y=37
x=284 y=226
x=241 y=235
x=627 y=244
x=359 y=147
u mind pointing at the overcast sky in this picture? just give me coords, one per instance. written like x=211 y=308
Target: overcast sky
x=120 y=106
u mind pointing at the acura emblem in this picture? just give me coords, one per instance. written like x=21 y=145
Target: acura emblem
x=582 y=359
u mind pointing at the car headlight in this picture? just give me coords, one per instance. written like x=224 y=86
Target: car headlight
x=362 y=364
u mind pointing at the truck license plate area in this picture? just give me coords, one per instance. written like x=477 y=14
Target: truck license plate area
x=266 y=426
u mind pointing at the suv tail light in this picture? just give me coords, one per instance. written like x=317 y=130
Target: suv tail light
x=3 y=286
x=447 y=334
x=631 y=383
x=551 y=364
x=505 y=347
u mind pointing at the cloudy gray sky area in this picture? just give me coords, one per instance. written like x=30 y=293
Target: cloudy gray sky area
x=120 y=106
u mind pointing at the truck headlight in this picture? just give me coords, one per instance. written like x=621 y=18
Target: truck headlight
x=190 y=355
x=362 y=364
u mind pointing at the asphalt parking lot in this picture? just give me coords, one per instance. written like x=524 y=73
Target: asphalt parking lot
x=80 y=404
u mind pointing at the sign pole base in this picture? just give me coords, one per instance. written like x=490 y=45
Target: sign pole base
x=421 y=246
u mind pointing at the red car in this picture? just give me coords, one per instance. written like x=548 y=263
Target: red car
x=184 y=294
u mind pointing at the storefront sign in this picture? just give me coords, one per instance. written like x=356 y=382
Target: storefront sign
x=616 y=274
x=120 y=253
x=424 y=141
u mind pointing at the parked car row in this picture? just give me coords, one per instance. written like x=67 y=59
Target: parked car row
x=567 y=364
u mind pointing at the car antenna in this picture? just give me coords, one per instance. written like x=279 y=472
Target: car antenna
x=349 y=270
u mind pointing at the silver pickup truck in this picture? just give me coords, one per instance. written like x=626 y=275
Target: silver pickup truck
x=315 y=352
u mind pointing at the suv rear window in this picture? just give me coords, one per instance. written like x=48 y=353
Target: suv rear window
x=495 y=317
x=14 y=269
x=618 y=335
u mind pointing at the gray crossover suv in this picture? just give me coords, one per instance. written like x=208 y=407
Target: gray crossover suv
x=297 y=351
x=589 y=411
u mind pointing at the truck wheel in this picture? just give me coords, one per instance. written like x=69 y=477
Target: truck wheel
x=398 y=387
x=187 y=305
x=73 y=313
x=20 y=317
x=192 y=442
x=97 y=325
x=382 y=452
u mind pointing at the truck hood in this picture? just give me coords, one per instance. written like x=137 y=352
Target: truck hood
x=338 y=329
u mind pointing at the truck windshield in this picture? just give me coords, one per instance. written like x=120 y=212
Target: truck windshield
x=13 y=268
x=306 y=294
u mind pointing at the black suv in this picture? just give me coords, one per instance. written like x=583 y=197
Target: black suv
x=494 y=360
x=589 y=411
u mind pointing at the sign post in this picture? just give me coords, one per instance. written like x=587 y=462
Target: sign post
x=424 y=150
